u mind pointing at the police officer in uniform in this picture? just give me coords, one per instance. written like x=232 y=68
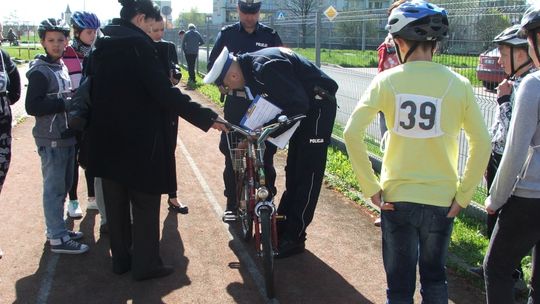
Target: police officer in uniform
x=296 y=86
x=247 y=35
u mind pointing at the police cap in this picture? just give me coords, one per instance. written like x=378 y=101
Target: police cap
x=220 y=68
x=249 y=6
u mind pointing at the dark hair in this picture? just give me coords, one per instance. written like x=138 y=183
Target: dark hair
x=130 y=8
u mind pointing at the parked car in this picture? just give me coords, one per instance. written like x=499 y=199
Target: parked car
x=489 y=71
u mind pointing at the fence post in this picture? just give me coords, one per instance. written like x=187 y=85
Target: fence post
x=363 y=35
x=318 y=38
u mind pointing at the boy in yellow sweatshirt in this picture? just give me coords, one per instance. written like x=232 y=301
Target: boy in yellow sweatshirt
x=426 y=106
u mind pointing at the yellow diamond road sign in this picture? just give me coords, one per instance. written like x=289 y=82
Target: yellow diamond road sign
x=330 y=13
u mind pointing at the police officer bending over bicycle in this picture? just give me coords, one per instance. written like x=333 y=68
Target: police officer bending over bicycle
x=246 y=35
x=296 y=86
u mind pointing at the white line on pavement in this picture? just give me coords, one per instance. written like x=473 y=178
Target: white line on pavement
x=236 y=243
x=46 y=282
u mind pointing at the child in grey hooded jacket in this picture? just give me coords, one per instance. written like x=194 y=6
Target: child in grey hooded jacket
x=49 y=89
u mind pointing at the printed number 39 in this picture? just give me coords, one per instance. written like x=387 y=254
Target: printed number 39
x=427 y=113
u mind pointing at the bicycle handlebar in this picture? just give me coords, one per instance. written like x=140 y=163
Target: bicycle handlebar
x=261 y=134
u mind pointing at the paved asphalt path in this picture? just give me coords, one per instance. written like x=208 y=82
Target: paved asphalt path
x=342 y=263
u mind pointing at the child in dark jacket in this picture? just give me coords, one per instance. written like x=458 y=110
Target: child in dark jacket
x=49 y=88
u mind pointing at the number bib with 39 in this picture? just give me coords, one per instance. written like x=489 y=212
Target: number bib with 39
x=418 y=116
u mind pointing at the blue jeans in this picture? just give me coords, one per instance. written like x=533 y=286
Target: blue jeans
x=57 y=165
x=416 y=234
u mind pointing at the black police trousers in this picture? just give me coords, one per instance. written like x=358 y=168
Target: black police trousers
x=234 y=110
x=304 y=172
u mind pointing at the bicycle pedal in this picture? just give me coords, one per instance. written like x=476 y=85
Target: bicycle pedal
x=281 y=217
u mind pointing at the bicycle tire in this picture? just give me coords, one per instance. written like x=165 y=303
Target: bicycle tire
x=267 y=254
x=245 y=215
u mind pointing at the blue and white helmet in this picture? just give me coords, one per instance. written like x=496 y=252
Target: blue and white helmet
x=418 y=20
x=85 y=20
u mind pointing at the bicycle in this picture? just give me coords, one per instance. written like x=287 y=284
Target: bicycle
x=256 y=209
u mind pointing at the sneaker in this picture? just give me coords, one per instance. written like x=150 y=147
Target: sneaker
x=478 y=271
x=74 y=235
x=92 y=205
x=68 y=246
x=74 y=210
x=230 y=216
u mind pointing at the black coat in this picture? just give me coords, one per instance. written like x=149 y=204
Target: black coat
x=129 y=132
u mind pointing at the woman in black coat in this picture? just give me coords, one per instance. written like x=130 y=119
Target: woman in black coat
x=129 y=136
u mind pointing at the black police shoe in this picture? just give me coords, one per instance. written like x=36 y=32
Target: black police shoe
x=287 y=248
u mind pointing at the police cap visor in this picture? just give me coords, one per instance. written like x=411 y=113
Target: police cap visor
x=249 y=6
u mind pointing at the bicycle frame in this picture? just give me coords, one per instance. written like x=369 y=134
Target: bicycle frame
x=248 y=162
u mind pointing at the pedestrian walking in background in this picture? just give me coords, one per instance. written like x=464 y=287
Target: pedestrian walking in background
x=190 y=45
x=296 y=86
x=85 y=26
x=169 y=61
x=130 y=136
x=419 y=190
x=12 y=38
x=10 y=92
x=181 y=34
x=49 y=89
x=517 y=64
x=515 y=191
x=247 y=35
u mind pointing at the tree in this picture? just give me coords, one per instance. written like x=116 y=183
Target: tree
x=491 y=24
x=302 y=9
x=193 y=16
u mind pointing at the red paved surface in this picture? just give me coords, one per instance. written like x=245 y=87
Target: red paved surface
x=342 y=263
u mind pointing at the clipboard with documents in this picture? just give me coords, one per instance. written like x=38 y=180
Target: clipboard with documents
x=262 y=111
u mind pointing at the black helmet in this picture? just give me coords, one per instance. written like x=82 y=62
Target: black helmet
x=52 y=25
x=531 y=18
x=418 y=20
x=511 y=38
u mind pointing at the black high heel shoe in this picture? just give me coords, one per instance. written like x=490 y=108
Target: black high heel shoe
x=183 y=209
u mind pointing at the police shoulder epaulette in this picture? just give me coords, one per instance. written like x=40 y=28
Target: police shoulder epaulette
x=228 y=27
x=268 y=29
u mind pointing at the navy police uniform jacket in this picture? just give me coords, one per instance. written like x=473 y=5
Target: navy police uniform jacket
x=238 y=41
x=288 y=79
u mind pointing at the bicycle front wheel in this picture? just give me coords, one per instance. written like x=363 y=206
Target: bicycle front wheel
x=267 y=253
x=246 y=217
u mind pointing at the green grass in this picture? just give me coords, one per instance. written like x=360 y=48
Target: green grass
x=23 y=53
x=464 y=65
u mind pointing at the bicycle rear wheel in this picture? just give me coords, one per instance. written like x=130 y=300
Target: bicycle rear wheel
x=246 y=216
x=267 y=254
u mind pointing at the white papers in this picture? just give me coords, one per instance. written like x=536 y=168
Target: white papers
x=282 y=140
x=262 y=111
x=259 y=112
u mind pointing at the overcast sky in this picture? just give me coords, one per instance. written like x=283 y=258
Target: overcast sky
x=34 y=11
